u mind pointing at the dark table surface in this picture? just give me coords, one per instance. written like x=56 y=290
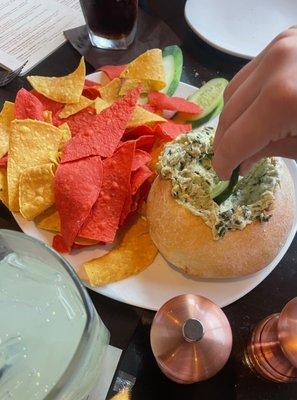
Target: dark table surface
x=129 y=326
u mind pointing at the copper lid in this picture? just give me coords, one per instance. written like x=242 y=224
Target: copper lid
x=191 y=338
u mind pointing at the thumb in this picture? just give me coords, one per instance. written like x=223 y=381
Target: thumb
x=281 y=148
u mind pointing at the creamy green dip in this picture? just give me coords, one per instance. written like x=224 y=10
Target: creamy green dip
x=186 y=161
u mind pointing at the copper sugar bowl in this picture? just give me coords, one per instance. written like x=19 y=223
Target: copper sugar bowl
x=272 y=349
x=191 y=338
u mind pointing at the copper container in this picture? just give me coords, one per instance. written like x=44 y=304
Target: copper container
x=191 y=338
x=272 y=349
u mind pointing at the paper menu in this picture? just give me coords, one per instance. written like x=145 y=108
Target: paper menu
x=33 y=29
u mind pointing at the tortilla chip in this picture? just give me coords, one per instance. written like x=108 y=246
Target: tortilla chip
x=70 y=109
x=124 y=394
x=48 y=104
x=32 y=143
x=148 y=66
x=135 y=253
x=113 y=71
x=110 y=92
x=7 y=115
x=141 y=116
x=103 y=221
x=66 y=134
x=80 y=122
x=76 y=186
x=48 y=116
x=145 y=142
x=49 y=221
x=101 y=134
x=170 y=130
x=28 y=106
x=3 y=161
x=3 y=186
x=100 y=105
x=163 y=102
x=140 y=158
x=66 y=89
x=59 y=244
x=140 y=130
x=139 y=177
x=129 y=84
x=36 y=192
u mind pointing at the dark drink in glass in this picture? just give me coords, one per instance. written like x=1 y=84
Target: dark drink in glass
x=111 y=23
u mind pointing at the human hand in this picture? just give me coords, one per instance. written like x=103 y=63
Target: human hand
x=259 y=118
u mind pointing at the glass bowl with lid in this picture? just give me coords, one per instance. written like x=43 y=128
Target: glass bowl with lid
x=52 y=341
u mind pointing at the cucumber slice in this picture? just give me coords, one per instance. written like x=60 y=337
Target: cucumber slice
x=209 y=117
x=219 y=199
x=218 y=189
x=173 y=64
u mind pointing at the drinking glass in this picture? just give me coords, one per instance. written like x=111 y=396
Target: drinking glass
x=83 y=371
x=111 y=24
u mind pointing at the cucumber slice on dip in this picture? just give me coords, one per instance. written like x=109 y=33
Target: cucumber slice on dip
x=173 y=64
x=209 y=117
x=221 y=191
x=210 y=98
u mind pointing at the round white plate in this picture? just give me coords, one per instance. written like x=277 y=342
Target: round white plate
x=160 y=282
x=240 y=27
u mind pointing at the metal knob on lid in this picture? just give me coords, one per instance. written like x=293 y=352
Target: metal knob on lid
x=191 y=338
x=272 y=349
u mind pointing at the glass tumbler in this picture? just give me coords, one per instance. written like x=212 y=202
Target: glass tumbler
x=111 y=23
x=52 y=341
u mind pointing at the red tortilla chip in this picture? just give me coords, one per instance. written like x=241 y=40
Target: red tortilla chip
x=140 y=130
x=103 y=132
x=140 y=158
x=80 y=121
x=50 y=105
x=170 y=130
x=103 y=221
x=3 y=161
x=59 y=244
x=139 y=177
x=145 y=142
x=127 y=206
x=163 y=102
x=150 y=107
x=28 y=106
x=91 y=89
x=76 y=186
x=112 y=71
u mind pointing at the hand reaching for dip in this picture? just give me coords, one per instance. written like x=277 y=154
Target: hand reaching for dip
x=260 y=114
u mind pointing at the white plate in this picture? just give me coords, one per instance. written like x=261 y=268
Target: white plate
x=240 y=27
x=160 y=282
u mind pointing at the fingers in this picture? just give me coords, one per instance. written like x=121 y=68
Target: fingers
x=238 y=103
x=244 y=138
x=282 y=148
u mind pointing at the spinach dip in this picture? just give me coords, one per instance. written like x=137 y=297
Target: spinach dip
x=186 y=161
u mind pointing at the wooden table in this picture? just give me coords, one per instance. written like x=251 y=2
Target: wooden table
x=129 y=326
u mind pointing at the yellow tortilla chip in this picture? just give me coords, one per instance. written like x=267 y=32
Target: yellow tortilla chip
x=6 y=117
x=141 y=116
x=110 y=92
x=70 y=109
x=3 y=186
x=135 y=253
x=149 y=67
x=66 y=89
x=66 y=134
x=100 y=105
x=31 y=143
x=129 y=84
x=124 y=394
x=36 y=191
x=48 y=116
x=49 y=221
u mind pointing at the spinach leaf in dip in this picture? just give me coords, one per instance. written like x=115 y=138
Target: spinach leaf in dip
x=186 y=161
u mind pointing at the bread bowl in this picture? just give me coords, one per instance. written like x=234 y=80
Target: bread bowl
x=185 y=222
